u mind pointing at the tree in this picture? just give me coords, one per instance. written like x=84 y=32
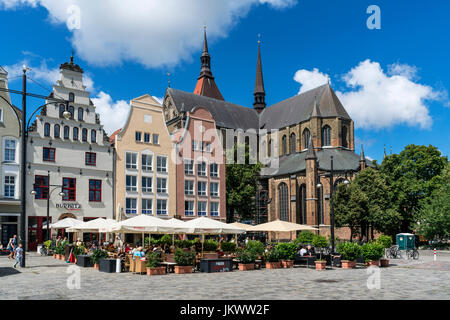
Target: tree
x=241 y=181
x=433 y=220
x=412 y=176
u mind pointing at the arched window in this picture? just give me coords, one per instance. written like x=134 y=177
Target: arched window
x=306 y=135
x=80 y=114
x=84 y=135
x=344 y=137
x=269 y=150
x=320 y=205
x=62 y=108
x=326 y=136
x=66 y=132
x=72 y=112
x=284 y=144
x=292 y=143
x=283 y=202
x=93 y=136
x=47 y=129
x=75 y=133
x=71 y=97
x=302 y=204
x=56 y=131
x=264 y=148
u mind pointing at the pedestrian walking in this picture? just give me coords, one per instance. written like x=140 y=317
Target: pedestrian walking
x=19 y=255
x=10 y=248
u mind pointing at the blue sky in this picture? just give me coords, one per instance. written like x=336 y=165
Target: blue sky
x=393 y=81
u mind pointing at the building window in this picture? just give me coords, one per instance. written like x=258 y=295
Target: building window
x=48 y=154
x=194 y=145
x=344 y=137
x=303 y=204
x=161 y=206
x=66 y=132
x=201 y=188
x=320 y=206
x=93 y=136
x=213 y=170
x=189 y=208
x=306 y=135
x=138 y=136
x=10 y=150
x=72 y=112
x=70 y=189
x=90 y=158
x=71 y=97
x=161 y=185
x=326 y=136
x=214 y=189
x=95 y=190
x=161 y=164
x=189 y=187
x=201 y=208
x=155 y=138
x=9 y=187
x=188 y=167
x=84 y=134
x=131 y=160
x=283 y=202
x=147 y=206
x=214 y=212
x=147 y=184
x=75 y=134
x=56 y=131
x=292 y=143
x=41 y=187
x=201 y=168
x=208 y=147
x=131 y=183
x=80 y=114
x=147 y=162
x=284 y=145
x=147 y=137
x=47 y=129
x=269 y=150
x=1 y=115
x=130 y=205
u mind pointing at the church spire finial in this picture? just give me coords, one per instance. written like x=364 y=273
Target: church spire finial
x=71 y=58
x=363 y=157
x=259 y=104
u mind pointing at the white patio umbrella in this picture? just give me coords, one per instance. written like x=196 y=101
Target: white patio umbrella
x=244 y=226
x=178 y=226
x=279 y=226
x=65 y=223
x=96 y=225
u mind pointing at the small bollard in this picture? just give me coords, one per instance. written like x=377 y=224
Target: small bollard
x=434 y=254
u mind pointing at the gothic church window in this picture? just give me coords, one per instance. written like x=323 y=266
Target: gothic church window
x=344 y=137
x=292 y=143
x=306 y=135
x=326 y=136
x=283 y=202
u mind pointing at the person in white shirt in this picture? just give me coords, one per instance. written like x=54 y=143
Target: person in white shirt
x=302 y=251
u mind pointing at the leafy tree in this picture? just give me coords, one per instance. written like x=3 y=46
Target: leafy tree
x=412 y=176
x=304 y=237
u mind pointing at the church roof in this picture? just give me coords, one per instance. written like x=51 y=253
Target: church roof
x=71 y=66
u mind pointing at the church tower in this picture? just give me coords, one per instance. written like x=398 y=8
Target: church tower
x=259 y=104
x=206 y=86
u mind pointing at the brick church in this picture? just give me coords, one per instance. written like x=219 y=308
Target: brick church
x=312 y=128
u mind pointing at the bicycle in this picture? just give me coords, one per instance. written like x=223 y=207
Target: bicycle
x=43 y=251
x=414 y=253
x=394 y=253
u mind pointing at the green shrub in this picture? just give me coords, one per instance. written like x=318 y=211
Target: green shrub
x=304 y=237
x=60 y=248
x=228 y=246
x=255 y=246
x=349 y=250
x=166 y=240
x=48 y=244
x=286 y=250
x=210 y=245
x=77 y=251
x=372 y=251
x=184 y=258
x=246 y=256
x=320 y=242
x=184 y=243
x=385 y=241
x=274 y=255
x=97 y=255
x=153 y=259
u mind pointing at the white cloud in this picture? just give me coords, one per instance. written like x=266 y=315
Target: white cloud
x=375 y=99
x=310 y=79
x=154 y=33
x=113 y=114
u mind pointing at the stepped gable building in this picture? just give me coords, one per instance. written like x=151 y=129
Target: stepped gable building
x=72 y=152
x=312 y=127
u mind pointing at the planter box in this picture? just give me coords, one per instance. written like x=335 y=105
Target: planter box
x=384 y=263
x=246 y=266
x=373 y=263
x=107 y=265
x=346 y=264
x=156 y=271
x=183 y=269
x=216 y=265
x=273 y=265
x=287 y=263
x=62 y=257
x=84 y=261
x=320 y=265
x=210 y=255
x=54 y=256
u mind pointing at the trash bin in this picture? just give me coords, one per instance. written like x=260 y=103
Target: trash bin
x=405 y=241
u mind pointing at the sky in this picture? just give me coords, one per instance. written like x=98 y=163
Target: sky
x=393 y=81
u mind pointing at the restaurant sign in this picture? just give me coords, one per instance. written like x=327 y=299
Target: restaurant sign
x=69 y=206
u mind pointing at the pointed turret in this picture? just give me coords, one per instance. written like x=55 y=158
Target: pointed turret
x=362 y=159
x=310 y=154
x=315 y=112
x=259 y=93
x=206 y=86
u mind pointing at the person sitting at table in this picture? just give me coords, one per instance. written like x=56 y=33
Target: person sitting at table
x=121 y=254
x=78 y=243
x=138 y=253
x=127 y=248
x=310 y=251
x=302 y=251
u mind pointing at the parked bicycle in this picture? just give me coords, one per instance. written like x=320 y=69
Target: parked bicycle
x=43 y=251
x=394 y=253
x=414 y=253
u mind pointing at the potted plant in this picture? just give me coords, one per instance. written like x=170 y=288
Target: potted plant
x=153 y=264
x=185 y=261
x=304 y=237
x=287 y=252
x=273 y=259
x=256 y=247
x=320 y=242
x=246 y=259
x=372 y=252
x=78 y=251
x=210 y=249
x=228 y=247
x=386 y=242
x=96 y=256
x=60 y=250
x=349 y=251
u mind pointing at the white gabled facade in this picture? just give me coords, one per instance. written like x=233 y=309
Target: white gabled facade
x=75 y=153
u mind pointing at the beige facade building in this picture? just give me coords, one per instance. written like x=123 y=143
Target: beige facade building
x=144 y=170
